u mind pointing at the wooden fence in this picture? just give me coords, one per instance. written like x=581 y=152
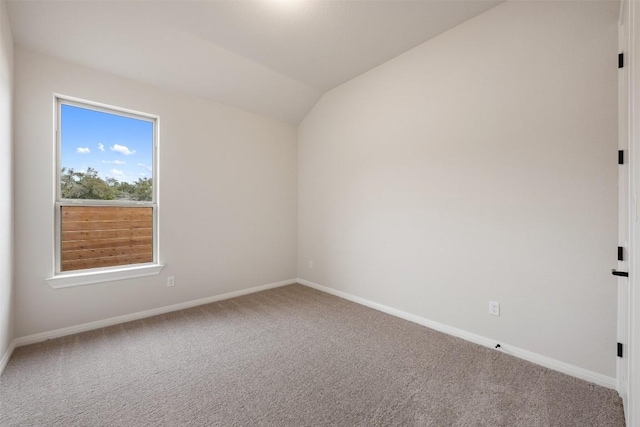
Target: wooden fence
x=96 y=236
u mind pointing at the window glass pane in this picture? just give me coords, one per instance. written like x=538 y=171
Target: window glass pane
x=105 y=156
x=105 y=236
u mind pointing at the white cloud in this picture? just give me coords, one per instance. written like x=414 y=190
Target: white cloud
x=142 y=165
x=116 y=172
x=101 y=146
x=122 y=149
x=82 y=150
x=115 y=162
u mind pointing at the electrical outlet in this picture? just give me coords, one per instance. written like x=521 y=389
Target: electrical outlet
x=171 y=281
x=311 y=264
x=494 y=308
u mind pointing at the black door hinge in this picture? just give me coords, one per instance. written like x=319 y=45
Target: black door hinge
x=619 y=349
x=620 y=253
x=620 y=60
x=621 y=157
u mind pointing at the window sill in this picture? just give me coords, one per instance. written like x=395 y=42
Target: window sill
x=67 y=280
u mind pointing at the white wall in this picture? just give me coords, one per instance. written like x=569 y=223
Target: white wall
x=228 y=200
x=479 y=166
x=6 y=182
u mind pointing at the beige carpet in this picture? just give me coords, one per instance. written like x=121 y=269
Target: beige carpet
x=291 y=356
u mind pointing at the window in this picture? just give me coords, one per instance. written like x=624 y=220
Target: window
x=106 y=210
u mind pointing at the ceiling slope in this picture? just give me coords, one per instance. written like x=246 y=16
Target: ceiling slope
x=274 y=58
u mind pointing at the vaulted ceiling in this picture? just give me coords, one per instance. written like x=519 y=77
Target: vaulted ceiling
x=272 y=57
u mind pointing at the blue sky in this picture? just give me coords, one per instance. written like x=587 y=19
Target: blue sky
x=116 y=146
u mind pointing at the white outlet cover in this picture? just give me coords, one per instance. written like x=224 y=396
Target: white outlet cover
x=310 y=264
x=494 y=308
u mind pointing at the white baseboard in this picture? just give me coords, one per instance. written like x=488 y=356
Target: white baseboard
x=539 y=359
x=43 y=336
x=7 y=356
x=536 y=358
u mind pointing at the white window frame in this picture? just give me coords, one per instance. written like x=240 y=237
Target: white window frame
x=104 y=274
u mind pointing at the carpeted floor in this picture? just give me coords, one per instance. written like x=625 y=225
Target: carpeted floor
x=290 y=356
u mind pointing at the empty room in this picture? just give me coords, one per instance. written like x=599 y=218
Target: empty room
x=319 y=213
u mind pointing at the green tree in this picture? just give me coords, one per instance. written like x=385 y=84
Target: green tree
x=143 y=189
x=126 y=191
x=84 y=185
x=88 y=185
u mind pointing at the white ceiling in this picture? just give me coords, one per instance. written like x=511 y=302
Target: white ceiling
x=272 y=57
